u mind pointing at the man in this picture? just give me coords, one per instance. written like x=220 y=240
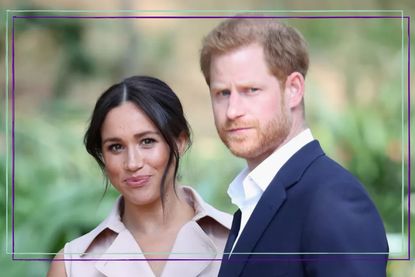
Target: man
x=300 y=213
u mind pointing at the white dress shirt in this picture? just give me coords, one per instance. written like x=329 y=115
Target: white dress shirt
x=247 y=188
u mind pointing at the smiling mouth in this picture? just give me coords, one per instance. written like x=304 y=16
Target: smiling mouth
x=138 y=181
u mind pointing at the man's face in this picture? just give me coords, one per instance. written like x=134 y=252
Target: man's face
x=249 y=106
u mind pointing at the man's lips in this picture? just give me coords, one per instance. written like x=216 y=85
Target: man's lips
x=238 y=129
x=137 y=181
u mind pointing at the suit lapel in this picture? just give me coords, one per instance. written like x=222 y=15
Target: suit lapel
x=268 y=205
x=262 y=215
x=236 y=223
x=225 y=266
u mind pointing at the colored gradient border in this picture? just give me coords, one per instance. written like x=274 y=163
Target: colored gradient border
x=15 y=17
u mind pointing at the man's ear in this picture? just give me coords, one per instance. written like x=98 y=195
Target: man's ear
x=294 y=89
x=182 y=142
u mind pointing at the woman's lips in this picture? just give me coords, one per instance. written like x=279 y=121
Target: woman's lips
x=137 y=181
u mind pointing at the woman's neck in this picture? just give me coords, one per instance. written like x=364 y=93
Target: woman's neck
x=153 y=218
x=155 y=229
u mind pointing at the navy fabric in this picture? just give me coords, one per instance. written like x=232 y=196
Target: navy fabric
x=313 y=205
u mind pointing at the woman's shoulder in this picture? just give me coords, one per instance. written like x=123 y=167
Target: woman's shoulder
x=97 y=237
x=204 y=209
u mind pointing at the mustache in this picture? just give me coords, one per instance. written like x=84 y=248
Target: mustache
x=238 y=124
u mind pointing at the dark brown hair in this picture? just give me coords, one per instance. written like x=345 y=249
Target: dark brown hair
x=158 y=101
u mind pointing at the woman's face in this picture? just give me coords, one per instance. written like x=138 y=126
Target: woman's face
x=135 y=154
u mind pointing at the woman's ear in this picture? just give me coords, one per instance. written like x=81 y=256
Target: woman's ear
x=294 y=89
x=101 y=158
x=181 y=142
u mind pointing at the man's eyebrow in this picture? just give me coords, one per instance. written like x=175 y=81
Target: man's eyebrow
x=218 y=86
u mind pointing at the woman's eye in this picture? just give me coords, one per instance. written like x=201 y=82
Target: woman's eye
x=115 y=148
x=148 y=141
x=253 y=89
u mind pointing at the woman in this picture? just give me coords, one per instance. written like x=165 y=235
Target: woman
x=137 y=134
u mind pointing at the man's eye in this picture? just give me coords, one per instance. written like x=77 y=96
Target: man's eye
x=253 y=89
x=225 y=92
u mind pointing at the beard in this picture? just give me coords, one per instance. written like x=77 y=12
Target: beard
x=259 y=141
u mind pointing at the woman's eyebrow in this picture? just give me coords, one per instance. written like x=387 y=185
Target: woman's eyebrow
x=138 y=135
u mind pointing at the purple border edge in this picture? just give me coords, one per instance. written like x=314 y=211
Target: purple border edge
x=13 y=139
x=200 y=17
x=409 y=135
x=203 y=17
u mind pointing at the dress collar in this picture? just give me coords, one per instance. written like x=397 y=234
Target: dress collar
x=113 y=221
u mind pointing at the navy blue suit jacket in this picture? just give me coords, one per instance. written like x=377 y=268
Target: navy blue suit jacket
x=313 y=205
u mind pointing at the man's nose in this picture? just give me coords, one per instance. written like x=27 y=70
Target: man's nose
x=235 y=107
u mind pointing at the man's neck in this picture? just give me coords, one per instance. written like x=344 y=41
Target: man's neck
x=253 y=163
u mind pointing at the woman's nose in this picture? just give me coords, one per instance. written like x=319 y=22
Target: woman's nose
x=134 y=160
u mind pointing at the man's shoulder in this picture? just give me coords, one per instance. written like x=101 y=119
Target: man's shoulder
x=327 y=169
x=324 y=178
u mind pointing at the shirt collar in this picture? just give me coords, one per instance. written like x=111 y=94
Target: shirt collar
x=114 y=223
x=235 y=190
x=266 y=171
x=250 y=185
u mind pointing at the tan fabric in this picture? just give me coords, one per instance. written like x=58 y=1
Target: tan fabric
x=203 y=237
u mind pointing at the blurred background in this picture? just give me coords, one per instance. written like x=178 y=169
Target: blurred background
x=356 y=105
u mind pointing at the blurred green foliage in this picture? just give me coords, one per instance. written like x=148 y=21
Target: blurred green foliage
x=58 y=188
